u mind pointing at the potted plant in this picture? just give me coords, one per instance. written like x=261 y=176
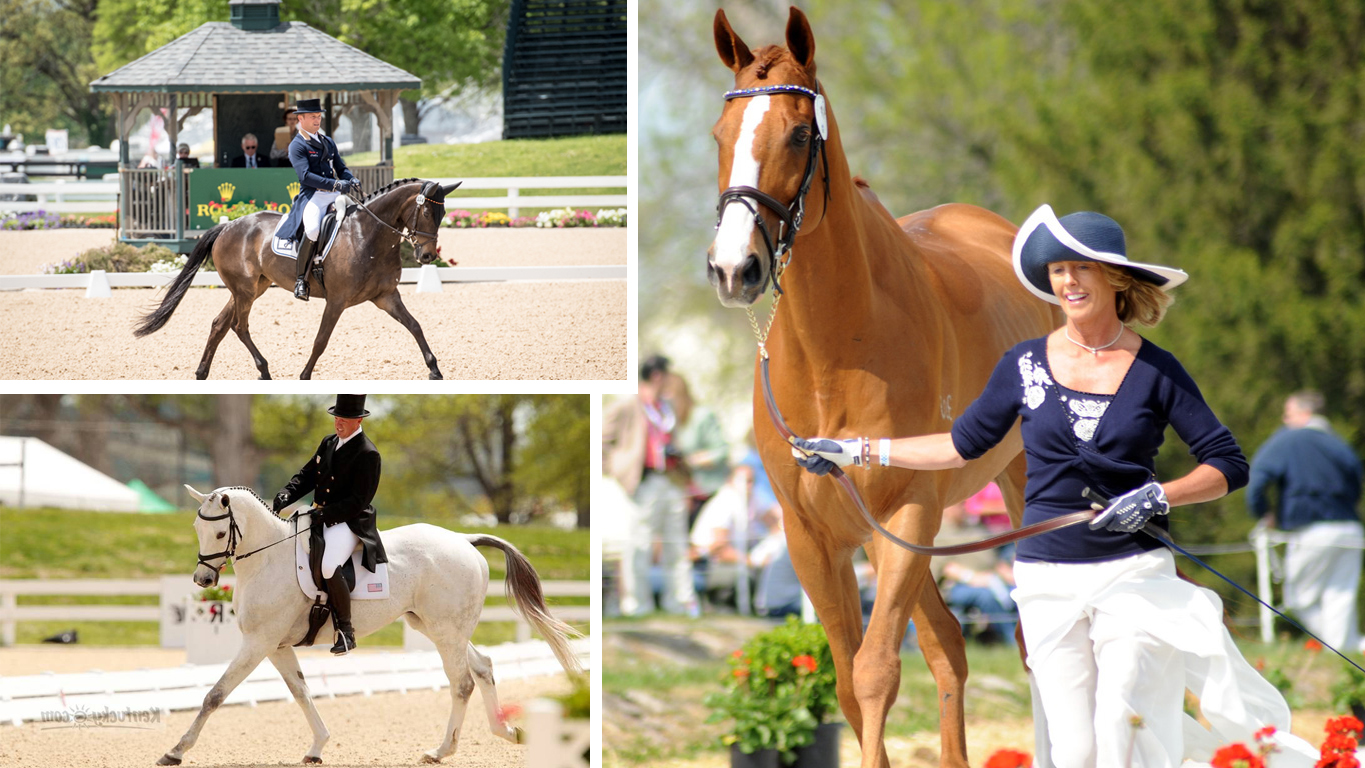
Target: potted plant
x=211 y=633
x=778 y=691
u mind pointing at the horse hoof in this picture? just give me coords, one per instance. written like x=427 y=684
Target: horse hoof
x=168 y=760
x=307 y=759
x=430 y=759
x=436 y=376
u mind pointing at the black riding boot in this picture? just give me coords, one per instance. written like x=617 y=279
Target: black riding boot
x=340 y=598
x=305 y=256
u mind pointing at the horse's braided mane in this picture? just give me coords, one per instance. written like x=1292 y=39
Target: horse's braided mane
x=249 y=490
x=390 y=186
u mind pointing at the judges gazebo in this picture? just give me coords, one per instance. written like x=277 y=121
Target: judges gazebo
x=246 y=71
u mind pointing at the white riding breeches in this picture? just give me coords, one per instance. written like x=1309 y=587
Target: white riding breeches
x=312 y=213
x=339 y=542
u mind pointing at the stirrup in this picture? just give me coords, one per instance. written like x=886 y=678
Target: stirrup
x=301 y=289
x=343 y=644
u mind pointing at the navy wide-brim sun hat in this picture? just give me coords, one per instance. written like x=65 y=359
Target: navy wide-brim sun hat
x=1082 y=236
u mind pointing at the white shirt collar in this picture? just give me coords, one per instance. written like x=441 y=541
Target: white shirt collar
x=341 y=442
x=311 y=136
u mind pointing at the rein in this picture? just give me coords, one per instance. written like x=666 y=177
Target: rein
x=234 y=535
x=407 y=233
x=958 y=549
x=791 y=217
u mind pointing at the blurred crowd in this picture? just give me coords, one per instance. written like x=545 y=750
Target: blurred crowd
x=695 y=527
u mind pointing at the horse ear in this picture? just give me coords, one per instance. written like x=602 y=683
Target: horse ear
x=800 y=40
x=199 y=497
x=733 y=51
x=448 y=188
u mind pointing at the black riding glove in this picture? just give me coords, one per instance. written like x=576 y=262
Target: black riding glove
x=281 y=501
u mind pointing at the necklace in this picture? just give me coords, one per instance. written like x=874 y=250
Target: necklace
x=1093 y=350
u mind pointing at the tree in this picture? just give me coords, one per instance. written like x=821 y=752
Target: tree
x=45 y=78
x=554 y=454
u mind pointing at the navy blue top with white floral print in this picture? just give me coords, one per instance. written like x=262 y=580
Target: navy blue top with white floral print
x=1107 y=442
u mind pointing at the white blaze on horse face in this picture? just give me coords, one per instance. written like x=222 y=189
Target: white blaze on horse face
x=737 y=222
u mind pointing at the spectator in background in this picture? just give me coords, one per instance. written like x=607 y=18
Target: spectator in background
x=727 y=528
x=699 y=439
x=1317 y=478
x=182 y=153
x=249 y=157
x=150 y=160
x=279 y=151
x=638 y=452
x=977 y=584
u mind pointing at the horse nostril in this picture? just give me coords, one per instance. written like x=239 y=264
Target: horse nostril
x=753 y=270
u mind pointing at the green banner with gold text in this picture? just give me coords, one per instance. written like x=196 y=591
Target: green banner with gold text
x=213 y=189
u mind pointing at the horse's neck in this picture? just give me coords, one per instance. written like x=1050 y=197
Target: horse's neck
x=840 y=268
x=259 y=527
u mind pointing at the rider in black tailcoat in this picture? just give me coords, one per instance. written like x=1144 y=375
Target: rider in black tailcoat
x=343 y=481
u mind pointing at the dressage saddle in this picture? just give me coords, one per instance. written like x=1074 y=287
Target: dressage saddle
x=320 y=611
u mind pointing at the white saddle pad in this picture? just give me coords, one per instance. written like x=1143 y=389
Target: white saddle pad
x=369 y=585
x=288 y=249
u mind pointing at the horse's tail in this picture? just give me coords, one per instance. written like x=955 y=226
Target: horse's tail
x=153 y=321
x=523 y=589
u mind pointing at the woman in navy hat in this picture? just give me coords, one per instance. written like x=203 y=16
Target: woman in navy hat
x=343 y=476
x=1113 y=635
x=323 y=176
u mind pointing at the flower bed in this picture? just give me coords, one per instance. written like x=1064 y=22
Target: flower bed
x=559 y=218
x=11 y=221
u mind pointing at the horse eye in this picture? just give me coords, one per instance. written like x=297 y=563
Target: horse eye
x=221 y=534
x=801 y=135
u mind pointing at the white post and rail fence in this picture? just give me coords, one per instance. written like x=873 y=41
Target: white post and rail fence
x=172 y=591
x=102 y=197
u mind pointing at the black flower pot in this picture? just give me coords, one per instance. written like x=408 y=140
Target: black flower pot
x=1357 y=710
x=824 y=753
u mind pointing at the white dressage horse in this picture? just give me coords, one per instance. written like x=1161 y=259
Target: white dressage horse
x=437 y=581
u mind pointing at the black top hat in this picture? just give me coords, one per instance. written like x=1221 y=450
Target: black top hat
x=349 y=407
x=306 y=106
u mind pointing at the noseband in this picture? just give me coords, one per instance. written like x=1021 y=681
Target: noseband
x=791 y=215
x=410 y=233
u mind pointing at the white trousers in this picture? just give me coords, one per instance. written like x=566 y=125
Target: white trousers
x=339 y=542
x=662 y=515
x=312 y=213
x=1113 y=647
x=1322 y=573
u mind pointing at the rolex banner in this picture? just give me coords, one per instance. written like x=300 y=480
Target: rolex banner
x=212 y=190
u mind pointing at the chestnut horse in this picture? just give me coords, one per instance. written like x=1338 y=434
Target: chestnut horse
x=885 y=328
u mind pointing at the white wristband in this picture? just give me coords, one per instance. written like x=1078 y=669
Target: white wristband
x=884 y=451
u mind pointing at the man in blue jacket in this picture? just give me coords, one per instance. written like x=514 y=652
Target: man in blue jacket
x=1317 y=478
x=323 y=176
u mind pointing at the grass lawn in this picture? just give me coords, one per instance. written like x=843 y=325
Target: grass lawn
x=661 y=669
x=68 y=544
x=572 y=156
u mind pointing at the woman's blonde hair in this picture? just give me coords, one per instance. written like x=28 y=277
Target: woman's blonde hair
x=1138 y=301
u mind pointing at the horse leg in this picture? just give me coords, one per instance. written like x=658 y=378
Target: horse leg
x=825 y=570
x=217 y=331
x=241 y=327
x=393 y=304
x=945 y=652
x=330 y=315
x=455 y=658
x=248 y=658
x=905 y=591
x=287 y=664
x=482 y=668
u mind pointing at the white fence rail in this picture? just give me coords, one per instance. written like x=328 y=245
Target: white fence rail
x=11 y=612
x=102 y=196
x=56 y=698
x=429 y=278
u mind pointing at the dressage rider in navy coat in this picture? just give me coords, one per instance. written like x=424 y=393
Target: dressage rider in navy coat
x=323 y=176
x=343 y=476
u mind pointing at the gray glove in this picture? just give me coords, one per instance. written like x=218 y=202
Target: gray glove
x=821 y=455
x=343 y=186
x=1132 y=510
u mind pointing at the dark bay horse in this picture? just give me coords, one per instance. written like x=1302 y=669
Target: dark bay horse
x=886 y=328
x=364 y=265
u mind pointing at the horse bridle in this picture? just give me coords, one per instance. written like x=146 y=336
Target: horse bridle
x=234 y=536
x=410 y=233
x=791 y=215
